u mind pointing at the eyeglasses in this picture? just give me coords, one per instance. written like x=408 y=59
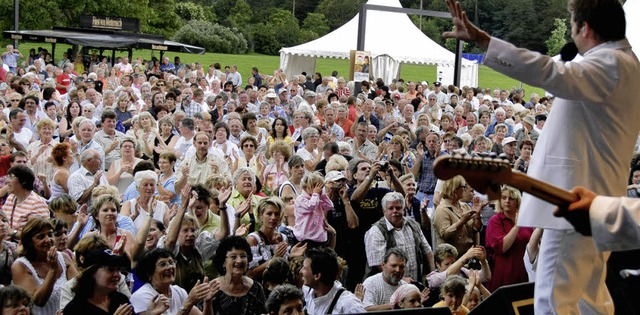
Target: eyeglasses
x=15 y=100
x=159 y=84
x=235 y=257
x=247 y=145
x=166 y=263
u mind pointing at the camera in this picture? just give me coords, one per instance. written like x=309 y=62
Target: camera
x=384 y=165
x=474 y=264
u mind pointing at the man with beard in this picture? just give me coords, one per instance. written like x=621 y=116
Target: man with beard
x=379 y=287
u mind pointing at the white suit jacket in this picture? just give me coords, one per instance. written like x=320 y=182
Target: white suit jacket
x=615 y=223
x=589 y=135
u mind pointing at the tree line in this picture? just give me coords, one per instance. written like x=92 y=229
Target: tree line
x=265 y=26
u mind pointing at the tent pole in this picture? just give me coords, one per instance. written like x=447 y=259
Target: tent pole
x=113 y=57
x=53 y=52
x=458 y=63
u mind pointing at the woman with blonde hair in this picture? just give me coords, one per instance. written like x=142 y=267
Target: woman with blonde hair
x=40 y=151
x=146 y=133
x=455 y=222
x=506 y=242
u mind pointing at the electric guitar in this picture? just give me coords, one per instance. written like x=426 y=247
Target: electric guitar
x=486 y=175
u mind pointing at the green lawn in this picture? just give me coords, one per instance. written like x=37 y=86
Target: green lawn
x=266 y=64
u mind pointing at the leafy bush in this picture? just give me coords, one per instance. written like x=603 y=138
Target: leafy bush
x=214 y=38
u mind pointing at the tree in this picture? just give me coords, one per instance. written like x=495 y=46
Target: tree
x=316 y=23
x=339 y=12
x=189 y=11
x=280 y=30
x=557 y=39
x=213 y=37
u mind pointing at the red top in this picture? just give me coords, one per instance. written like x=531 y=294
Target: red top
x=4 y=164
x=507 y=267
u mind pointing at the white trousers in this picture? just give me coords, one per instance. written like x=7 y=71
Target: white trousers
x=570 y=278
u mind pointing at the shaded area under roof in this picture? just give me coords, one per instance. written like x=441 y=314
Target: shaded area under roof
x=102 y=39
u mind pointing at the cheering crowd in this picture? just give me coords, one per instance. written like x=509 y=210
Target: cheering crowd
x=159 y=187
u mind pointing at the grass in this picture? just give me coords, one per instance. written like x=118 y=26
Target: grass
x=486 y=77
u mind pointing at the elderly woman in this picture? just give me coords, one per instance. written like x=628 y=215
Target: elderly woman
x=15 y=300
x=481 y=145
x=276 y=172
x=139 y=208
x=312 y=151
x=302 y=120
x=96 y=289
x=120 y=173
x=244 y=180
x=187 y=242
x=165 y=140
x=40 y=151
x=222 y=142
x=454 y=221
x=22 y=203
x=41 y=269
x=238 y=294
x=160 y=295
x=8 y=251
x=250 y=124
x=63 y=158
x=285 y=299
x=105 y=214
x=248 y=145
x=506 y=242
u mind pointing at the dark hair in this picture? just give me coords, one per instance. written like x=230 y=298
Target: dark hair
x=294 y=160
x=68 y=111
x=280 y=295
x=58 y=224
x=635 y=168
x=108 y=114
x=332 y=147
x=204 y=194
x=143 y=166
x=396 y=251
x=222 y=124
x=146 y=267
x=273 y=127
x=14 y=293
x=324 y=261
x=14 y=113
x=277 y=271
x=526 y=142
x=49 y=104
x=246 y=117
x=47 y=93
x=171 y=94
x=34 y=226
x=605 y=17
x=24 y=174
x=226 y=245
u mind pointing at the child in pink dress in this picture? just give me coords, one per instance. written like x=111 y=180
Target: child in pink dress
x=310 y=210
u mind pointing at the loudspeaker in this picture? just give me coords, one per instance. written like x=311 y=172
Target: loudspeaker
x=516 y=299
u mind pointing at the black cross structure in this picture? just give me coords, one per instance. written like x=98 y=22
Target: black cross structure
x=362 y=25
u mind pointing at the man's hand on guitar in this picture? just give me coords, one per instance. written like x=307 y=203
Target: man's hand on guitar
x=577 y=213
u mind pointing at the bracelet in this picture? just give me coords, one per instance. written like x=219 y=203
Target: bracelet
x=222 y=208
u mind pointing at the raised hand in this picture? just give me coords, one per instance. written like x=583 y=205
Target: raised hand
x=298 y=250
x=359 y=292
x=463 y=29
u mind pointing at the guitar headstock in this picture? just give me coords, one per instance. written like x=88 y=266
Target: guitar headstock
x=484 y=174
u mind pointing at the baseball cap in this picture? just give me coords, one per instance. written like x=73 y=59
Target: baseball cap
x=508 y=140
x=271 y=93
x=333 y=176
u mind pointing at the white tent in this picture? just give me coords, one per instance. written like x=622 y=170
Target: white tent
x=632 y=10
x=392 y=39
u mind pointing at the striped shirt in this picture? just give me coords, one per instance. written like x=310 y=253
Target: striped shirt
x=19 y=214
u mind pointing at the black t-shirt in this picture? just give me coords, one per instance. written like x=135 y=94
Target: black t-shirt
x=82 y=306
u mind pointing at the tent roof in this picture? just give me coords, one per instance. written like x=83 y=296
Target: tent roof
x=102 y=39
x=387 y=33
x=632 y=9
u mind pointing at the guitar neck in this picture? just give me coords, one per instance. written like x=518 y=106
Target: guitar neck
x=547 y=192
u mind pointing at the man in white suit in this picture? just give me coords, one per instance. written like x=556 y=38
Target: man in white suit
x=614 y=222
x=588 y=140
